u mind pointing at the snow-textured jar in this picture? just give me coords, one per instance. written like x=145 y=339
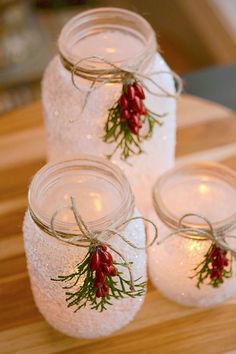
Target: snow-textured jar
x=104 y=200
x=205 y=189
x=127 y=40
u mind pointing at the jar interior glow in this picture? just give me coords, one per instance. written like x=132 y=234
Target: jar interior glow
x=111 y=33
x=98 y=192
x=205 y=189
x=76 y=121
x=199 y=189
x=104 y=200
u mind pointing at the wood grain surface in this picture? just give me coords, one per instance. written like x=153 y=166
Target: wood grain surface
x=206 y=131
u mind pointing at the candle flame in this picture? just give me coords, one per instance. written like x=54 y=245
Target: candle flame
x=96 y=201
x=194 y=245
x=110 y=50
x=203 y=188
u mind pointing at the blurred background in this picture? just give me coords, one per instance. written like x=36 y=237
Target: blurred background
x=197 y=39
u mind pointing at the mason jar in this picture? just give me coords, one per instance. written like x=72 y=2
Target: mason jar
x=208 y=191
x=75 y=120
x=104 y=200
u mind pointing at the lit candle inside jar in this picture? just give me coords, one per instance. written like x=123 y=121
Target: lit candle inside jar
x=75 y=121
x=204 y=189
x=104 y=200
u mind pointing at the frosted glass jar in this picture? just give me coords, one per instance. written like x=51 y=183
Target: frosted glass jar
x=207 y=189
x=104 y=199
x=126 y=39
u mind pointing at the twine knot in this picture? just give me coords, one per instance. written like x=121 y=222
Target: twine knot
x=218 y=237
x=89 y=238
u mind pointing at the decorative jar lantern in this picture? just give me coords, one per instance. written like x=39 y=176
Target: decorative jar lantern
x=110 y=93
x=85 y=247
x=193 y=264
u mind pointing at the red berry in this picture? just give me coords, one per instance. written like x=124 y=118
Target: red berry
x=105 y=288
x=217 y=265
x=105 y=268
x=103 y=247
x=134 y=129
x=130 y=92
x=216 y=274
x=97 y=283
x=134 y=123
x=100 y=276
x=215 y=252
x=136 y=104
x=106 y=257
x=139 y=91
x=124 y=102
x=144 y=110
x=95 y=260
x=125 y=114
x=226 y=262
x=112 y=270
x=99 y=292
x=221 y=258
x=104 y=294
x=134 y=119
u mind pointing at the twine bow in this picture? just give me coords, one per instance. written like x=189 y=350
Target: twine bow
x=117 y=74
x=217 y=237
x=90 y=238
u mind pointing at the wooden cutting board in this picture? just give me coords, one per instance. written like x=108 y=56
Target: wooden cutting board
x=206 y=131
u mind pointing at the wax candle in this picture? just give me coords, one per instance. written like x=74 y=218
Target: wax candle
x=104 y=200
x=207 y=190
x=126 y=40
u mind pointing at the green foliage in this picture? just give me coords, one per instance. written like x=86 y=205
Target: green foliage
x=117 y=131
x=82 y=282
x=204 y=270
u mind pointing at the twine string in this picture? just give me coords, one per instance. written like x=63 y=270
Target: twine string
x=90 y=238
x=118 y=74
x=220 y=239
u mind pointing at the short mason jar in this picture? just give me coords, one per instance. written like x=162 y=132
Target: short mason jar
x=205 y=189
x=104 y=199
x=128 y=41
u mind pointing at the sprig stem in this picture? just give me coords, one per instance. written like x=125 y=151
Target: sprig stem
x=117 y=131
x=84 y=294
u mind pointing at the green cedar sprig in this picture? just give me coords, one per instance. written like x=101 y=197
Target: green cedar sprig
x=84 y=294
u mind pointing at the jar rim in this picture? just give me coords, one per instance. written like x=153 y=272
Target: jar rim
x=78 y=23
x=224 y=173
x=82 y=163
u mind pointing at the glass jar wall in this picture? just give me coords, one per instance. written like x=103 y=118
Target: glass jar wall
x=104 y=200
x=207 y=190
x=127 y=40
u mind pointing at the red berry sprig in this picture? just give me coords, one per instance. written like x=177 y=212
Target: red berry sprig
x=102 y=264
x=215 y=267
x=132 y=107
x=96 y=281
x=126 y=118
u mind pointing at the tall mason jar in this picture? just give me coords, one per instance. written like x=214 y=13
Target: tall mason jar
x=207 y=190
x=104 y=199
x=127 y=40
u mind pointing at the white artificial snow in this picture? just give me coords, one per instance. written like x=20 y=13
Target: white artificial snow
x=72 y=132
x=48 y=257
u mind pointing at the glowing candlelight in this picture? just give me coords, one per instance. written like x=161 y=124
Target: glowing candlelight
x=127 y=40
x=104 y=200
x=204 y=189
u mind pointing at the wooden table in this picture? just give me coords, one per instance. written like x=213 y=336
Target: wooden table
x=206 y=131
